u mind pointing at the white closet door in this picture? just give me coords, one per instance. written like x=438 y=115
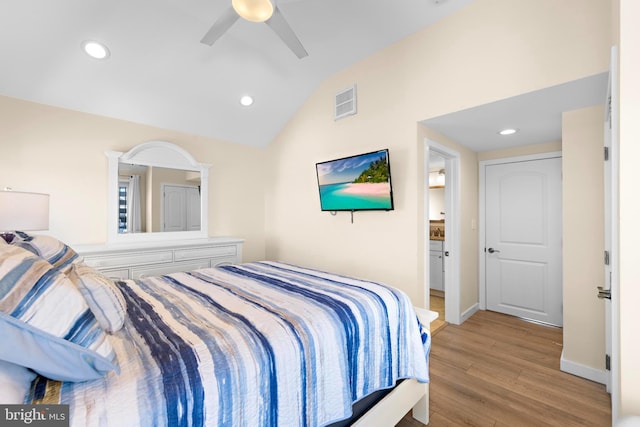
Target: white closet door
x=174 y=211
x=523 y=255
x=192 y=196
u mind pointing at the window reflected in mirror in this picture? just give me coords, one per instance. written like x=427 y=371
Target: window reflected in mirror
x=123 y=192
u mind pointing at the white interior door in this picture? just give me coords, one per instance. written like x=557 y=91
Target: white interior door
x=193 y=208
x=523 y=226
x=173 y=208
x=609 y=289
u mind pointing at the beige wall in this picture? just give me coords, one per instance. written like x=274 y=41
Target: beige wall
x=61 y=152
x=458 y=63
x=436 y=203
x=583 y=236
x=629 y=207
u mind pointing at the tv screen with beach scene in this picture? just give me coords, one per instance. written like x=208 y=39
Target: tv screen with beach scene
x=361 y=182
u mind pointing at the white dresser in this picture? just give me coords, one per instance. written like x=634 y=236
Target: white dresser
x=135 y=260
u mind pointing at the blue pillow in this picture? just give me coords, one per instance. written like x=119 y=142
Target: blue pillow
x=46 y=317
x=48 y=355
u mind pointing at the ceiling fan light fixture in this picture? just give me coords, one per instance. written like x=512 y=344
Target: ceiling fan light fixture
x=254 y=10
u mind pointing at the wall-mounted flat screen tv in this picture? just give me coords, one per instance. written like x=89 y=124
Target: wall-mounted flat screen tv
x=355 y=183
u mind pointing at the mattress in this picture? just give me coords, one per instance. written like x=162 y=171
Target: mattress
x=256 y=344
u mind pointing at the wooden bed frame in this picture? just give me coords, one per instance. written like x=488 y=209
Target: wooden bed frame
x=390 y=410
x=410 y=394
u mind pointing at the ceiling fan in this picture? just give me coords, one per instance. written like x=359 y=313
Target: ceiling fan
x=265 y=11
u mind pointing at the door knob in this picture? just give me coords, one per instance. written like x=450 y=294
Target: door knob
x=491 y=250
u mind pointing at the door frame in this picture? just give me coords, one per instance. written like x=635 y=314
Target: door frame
x=482 y=166
x=612 y=231
x=451 y=229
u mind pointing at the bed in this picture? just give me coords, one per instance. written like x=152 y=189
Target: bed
x=254 y=344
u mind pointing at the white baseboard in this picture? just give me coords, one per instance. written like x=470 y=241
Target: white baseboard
x=583 y=371
x=469 y=312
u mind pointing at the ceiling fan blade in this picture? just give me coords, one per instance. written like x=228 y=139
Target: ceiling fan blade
x=224 y=22
x=281 y=27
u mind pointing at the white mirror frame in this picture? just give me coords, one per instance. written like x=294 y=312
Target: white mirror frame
x=160 y=154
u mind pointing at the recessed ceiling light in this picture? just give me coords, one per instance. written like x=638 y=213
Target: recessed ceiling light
x=95 y=49
x=246 y=100
x=508 y=131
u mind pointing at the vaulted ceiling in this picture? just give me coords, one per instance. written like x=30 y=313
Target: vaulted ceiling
x=158 y=73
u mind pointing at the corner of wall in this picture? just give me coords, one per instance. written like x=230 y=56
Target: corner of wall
x=583 y=371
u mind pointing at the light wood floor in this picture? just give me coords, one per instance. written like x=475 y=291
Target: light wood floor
x=436 y=303
x=497 y=370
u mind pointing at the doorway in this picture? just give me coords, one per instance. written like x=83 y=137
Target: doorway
x=437 y=184
x=443 y=235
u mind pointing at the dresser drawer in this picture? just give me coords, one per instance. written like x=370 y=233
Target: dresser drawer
x=119 y=273
x=129 y=258
x=206 y=252
x=159 y=270
x=163 y=257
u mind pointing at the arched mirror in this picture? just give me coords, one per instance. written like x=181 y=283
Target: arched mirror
x=157 y=191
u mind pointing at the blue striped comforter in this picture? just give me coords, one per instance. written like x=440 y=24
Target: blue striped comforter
x=257 y=344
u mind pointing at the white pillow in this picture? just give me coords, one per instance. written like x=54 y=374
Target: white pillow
x=102 y=296
x=15 y=382
x=57 y=253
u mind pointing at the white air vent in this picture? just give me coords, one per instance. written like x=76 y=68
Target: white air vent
x=345 y=103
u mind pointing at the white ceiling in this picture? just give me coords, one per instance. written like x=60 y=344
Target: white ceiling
x=537 y=116
x=160 y=74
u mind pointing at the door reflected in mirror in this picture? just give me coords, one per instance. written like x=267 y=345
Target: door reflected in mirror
x=156 y=199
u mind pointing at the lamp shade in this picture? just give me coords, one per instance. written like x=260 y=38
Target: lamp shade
x=254 y=10
x=23 y=211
